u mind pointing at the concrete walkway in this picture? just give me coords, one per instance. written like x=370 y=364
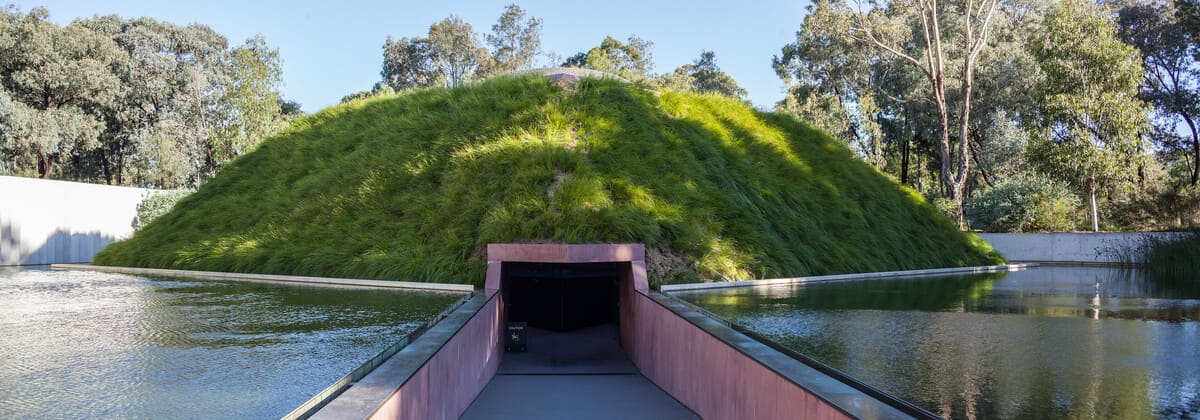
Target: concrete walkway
x=581 y=374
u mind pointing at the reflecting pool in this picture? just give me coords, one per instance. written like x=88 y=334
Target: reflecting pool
x=91 y=345
x=1048 y=342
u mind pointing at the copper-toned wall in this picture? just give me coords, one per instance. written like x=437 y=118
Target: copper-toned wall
x=453 y=377
x=704 y=373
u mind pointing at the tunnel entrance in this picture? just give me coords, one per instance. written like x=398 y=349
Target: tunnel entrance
x=561 y=297
x=574 y=298
x=572 y=311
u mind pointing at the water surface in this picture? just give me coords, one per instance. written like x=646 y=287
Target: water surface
x=93 y=345
x=1049 y=342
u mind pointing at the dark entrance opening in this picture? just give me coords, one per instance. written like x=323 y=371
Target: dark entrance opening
x=572 y=314
x=561 y=296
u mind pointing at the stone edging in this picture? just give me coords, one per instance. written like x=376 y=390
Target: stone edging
x=845 y=277
x=267 y=278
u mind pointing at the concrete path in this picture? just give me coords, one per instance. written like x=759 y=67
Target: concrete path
x=581 y=374
x=593 y=350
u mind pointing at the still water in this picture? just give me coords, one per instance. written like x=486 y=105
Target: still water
x=91 y=345
x=1050 y=342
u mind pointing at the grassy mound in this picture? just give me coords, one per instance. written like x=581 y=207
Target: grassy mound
x=413 y=187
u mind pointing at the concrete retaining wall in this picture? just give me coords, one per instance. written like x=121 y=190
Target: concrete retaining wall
x=47 y=222
x=1087 y=248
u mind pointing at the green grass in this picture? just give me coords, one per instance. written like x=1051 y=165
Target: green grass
x=413 y=186
x=1174 y=258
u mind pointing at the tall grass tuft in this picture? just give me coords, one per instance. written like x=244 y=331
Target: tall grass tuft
x=413 y=186
x=1179 y=258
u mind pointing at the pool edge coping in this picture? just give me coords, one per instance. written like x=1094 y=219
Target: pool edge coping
x=669 y=288
x=266 y=278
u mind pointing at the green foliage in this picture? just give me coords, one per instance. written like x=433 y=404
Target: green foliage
x=631 y=60
x=452 y=54
x=157 y=204
x=1171 y=85
x=703 y=76
x=455 y=50
x=516 y=40
x=252 y=98
x=54 y=76
x=828 y=72
x=1165 y=200
x=413 y=186
x=131 y=101
x=945 y=206
x=1089 y=100
x=1024 y=204
x=407 y=64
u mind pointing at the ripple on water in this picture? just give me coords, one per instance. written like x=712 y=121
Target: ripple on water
x=94 y=345
x=1045 y=343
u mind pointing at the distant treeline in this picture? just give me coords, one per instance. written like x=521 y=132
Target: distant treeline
x=131 y=101
x=452 y=53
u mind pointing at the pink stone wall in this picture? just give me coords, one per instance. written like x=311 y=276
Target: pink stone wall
x=497 y=254
x=704 y=373
x=451 y=380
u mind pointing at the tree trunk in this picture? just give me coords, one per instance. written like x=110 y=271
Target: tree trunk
x=920 y=175
x=1195 y=147
x=45 y=165
x=904 y=162
x=1092 y=197
x=104 y=166
x=987 y=180
x=964 y=138
x=120 y=162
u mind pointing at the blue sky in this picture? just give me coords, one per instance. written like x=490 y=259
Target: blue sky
x=332 y=48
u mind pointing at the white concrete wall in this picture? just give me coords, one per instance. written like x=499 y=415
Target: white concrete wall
x=1089 y=247
x=48 y=222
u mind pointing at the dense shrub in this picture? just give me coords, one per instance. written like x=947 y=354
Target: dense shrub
x=157 y=204
x=1024 y=204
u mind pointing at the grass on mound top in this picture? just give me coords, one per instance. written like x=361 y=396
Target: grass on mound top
x=413 y=186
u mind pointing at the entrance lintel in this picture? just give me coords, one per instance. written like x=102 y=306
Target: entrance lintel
x=634 y=254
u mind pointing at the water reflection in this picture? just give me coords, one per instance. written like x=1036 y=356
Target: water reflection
x=78 y=344
x=1048 y=342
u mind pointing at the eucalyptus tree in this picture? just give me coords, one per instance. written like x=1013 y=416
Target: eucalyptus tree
x=703 y=76
x=408 y=63
x=930 y=48
x=189 y=102
x=456 y=50
x=252 y=104
x=131 y=101
x=516 y=41
x=54 y=77
x=1089 y=101
x=631 y=59
x=1155 y=29
x=831 y=79
x=164 y=130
